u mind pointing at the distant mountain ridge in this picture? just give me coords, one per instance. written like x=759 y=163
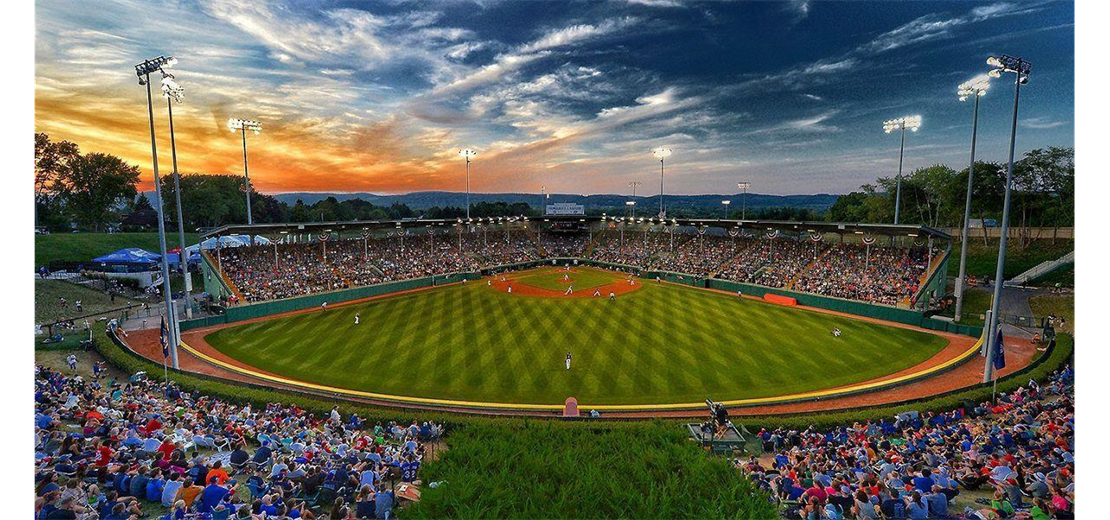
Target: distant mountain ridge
x=425 y=199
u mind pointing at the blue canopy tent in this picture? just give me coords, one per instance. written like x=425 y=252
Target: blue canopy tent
x=129 y=256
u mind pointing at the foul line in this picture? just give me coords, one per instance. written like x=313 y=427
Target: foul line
x=805 y=396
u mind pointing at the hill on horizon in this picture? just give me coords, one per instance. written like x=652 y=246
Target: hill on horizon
x=421 y=200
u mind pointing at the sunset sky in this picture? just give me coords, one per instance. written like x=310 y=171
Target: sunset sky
x=381 y=96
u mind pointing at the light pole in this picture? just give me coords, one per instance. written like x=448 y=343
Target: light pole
x=661 y=154
x=744 y=201
x=631 y=207
x=143 y=71
x=976 y=87
x=242 y=125
x=1020 y=68
x=468 y=154
x=634 y=185
x=903 y=123
x=174 y=92
x=543 y=195
x=725 y=203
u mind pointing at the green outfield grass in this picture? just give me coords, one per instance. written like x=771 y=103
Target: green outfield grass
x=582 y=279
x=659 y=344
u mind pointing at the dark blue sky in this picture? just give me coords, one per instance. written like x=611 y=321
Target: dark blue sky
x=380 y=96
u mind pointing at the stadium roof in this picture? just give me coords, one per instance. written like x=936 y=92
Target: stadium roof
x=912 y=230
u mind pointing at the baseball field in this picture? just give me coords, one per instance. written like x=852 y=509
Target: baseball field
x=652 y=343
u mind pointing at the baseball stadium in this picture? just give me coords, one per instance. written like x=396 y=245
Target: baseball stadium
x=656 y=316
x=423 y=291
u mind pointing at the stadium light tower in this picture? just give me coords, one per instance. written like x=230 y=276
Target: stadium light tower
x=661 y=154
x=1020 y=68
x=175 y=93
x=143 y=70
x=975 y=87
x=725 y=203
x=744 y=201
x=242 y=125
x=634 y=185
x=902 y=123
x=468 y=154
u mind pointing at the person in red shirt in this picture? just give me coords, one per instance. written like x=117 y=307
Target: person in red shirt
x=104 y=454
x=166 y=449
x=152 y=426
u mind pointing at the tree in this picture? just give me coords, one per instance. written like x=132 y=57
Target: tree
x=1051 y=172
x=143 y=203
x=51 y=159
x=93 y=185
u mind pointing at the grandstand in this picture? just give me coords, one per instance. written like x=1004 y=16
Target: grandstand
x=894 y=267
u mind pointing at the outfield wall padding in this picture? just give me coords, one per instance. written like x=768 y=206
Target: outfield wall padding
x=781 y=300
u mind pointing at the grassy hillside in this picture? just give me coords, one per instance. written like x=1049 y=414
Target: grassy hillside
x=655 y=345
x=83 y=247
x=48 y=308
x=545 y=469
x=983 y=260
x=1062 y=305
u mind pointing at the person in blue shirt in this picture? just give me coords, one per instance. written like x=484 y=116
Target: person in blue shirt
x=409 y=469
x=262 y=456
x=916 y=508
x=383 y=505
x=154 y=486
x=922 y=483
x=212 y=495
x=937 y=503
x=893 y=507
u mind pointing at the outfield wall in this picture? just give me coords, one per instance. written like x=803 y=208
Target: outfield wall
x=881 y=312
x=270 y=308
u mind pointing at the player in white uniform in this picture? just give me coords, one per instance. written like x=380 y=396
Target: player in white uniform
x=836 y=332
x=356 y=318
x=568 y=360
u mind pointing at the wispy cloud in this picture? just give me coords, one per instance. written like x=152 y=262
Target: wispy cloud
x=379 y=96
x=1041 y=123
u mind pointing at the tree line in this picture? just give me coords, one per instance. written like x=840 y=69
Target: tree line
x=93 y=190
x=216 y=200
x=89 y=190
x=1042 y=194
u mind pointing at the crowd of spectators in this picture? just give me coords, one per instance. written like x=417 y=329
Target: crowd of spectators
x=269 y=272
x=884 y=274
x=493 y=248
x=702 y=255
x=887 y=275
x=1011 y=459
x=637 y=247
x=564 y=244
x=117 y=450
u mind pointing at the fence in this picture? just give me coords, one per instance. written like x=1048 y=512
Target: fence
x=1042 y=269
x=1065 y=233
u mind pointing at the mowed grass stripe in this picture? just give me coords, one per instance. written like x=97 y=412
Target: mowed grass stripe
x=662 y=343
